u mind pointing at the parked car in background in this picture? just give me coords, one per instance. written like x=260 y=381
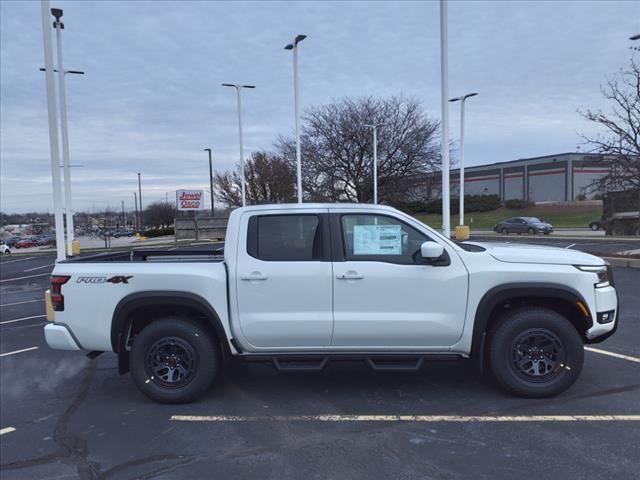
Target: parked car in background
x=530 y=225
x=46 y=240
x=11 y=241
x=123 y=233
x=4 y=249
x=25 y=243
x=596 y=225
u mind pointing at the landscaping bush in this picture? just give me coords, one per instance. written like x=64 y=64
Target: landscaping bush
x=158 y=232
x=517 y=204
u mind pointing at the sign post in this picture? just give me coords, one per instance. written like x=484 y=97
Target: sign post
x=191 y=200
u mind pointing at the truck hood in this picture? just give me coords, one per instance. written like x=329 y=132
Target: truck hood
x=522 y=253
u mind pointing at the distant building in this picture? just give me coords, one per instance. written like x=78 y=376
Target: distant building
x=552 y=178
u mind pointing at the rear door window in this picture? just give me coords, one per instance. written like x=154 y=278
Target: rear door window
x=285 y=238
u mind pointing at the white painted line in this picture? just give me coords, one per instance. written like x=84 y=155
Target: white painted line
x=4 y=262
x=18 y=351
x=567 y=247
x=22 y=319
x=7 y=430
x=613 y=354
x=23 y=278
x=21 y=303
x=408 y=418
x=38 y=268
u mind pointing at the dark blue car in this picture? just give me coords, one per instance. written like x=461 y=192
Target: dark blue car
x=530 y=225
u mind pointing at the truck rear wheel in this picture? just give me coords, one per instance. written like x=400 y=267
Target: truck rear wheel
x=174 y=360
x=535 y=352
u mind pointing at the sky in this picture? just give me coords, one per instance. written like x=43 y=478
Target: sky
x=151 y=99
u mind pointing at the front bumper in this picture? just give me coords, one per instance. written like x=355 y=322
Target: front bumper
x=606 y=301
x=59 y=337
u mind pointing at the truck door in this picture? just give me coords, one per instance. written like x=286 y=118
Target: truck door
x=284 y=280
x=384 y=293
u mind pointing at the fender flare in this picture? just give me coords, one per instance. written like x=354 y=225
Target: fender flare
x=500 y=293
x=162 y=297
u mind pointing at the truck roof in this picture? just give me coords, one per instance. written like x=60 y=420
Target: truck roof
x=315 y=206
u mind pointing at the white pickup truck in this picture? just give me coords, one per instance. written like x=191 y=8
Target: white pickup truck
x=301 y=285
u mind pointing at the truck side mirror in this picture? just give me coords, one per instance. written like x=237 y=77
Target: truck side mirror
x=430 y=250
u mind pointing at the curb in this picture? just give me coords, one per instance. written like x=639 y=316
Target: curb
x=623 y=262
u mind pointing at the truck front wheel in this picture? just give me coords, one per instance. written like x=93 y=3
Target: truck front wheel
x=174 y=360
x=535 y=352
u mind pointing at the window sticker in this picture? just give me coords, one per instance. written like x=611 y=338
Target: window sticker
x=377 y=240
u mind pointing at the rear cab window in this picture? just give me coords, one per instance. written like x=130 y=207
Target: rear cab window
x=286 y=238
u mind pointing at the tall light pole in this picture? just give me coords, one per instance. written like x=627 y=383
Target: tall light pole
x=135 y=203
x=211 y=179
x=58 y=25
x=140 y=201
x=374 y=127
x=294 y=46
x=444 y=73
x=53 y=132
x=462 y=99
x=238 y=88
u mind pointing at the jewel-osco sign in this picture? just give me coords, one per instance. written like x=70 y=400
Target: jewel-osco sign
x=189 y=199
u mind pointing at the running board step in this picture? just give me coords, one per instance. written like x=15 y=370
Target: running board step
x=293 y=364
x=395 y=363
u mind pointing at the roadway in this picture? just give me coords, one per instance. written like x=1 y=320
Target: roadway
x=65 y=416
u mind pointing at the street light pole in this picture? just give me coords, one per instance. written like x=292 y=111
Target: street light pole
x=57 y=13
x=135 y=203
x=53 y=132
x=374 y=127
x=238 y=87
x=444 y=73
x=294 y=46
x=211 y=180
x=462 y=100
x=140 y=201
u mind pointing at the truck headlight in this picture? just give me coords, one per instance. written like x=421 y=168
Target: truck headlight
x=603 y=273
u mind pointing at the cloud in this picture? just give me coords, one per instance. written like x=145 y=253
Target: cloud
x=151 y=98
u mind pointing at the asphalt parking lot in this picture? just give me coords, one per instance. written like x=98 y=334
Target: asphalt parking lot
x=65 y=416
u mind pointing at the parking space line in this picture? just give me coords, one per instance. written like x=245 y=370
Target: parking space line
x=613 y=354
x=4 y=262
x=24 y=278
x=7 y=430
x=18 y=351
x=38 y=268
x=21 y=303
x=408 y=418
x=22 y=319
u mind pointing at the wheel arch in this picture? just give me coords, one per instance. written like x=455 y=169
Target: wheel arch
x=549 y=295
x=136 y=303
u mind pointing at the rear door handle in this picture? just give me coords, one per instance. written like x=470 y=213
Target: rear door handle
x=350 y=275
x=253 y=276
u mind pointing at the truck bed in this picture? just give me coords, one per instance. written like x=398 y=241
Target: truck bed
x=154 y=255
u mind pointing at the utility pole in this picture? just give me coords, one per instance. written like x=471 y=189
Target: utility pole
x=135 y=202
x=53 y=132
x=294 y=46
x=124 y=219
x=213 y=212
x=444 y=73
x=140 y=200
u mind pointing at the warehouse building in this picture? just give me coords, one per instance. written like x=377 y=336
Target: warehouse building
x=552 y=178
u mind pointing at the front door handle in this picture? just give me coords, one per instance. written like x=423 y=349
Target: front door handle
x=253 y=276
x=350 y=275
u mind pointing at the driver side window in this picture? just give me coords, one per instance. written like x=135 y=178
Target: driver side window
x=380 y=238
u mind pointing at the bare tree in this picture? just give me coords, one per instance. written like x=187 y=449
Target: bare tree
x=337 y=149
x=159 y=214
x=269 y=179
x=227 y=188
x=620 y=145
